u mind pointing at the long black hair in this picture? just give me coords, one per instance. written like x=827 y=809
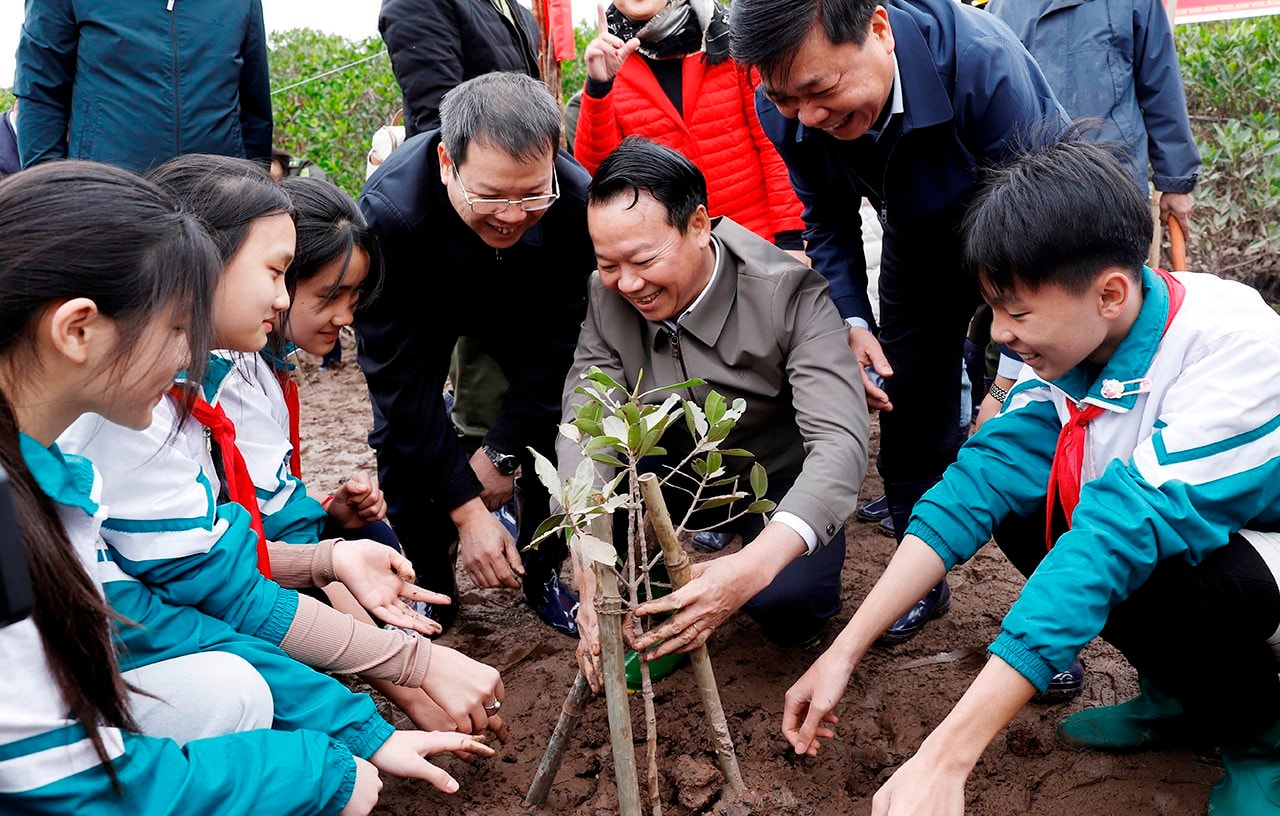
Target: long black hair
x=226 y=194
x=330 y=227
x=77 y=229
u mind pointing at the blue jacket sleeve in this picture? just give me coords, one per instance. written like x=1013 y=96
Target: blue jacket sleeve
x=832 y=221
x=289 y=514
x=1211 y=467
x=1003 y=470
x=1158 y=85
x=46 y=71
x=255 y=88
x=298 y=772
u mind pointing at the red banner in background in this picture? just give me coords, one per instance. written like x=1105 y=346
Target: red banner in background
x=1201 y=11
x=559 y=17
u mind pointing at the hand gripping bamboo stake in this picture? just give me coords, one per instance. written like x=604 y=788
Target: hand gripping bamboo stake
x=570 y=714
x=679 y=570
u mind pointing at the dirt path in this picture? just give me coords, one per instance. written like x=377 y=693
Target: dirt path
x=896 y=697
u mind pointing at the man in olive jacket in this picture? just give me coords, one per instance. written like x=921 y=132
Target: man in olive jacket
x=680 y=295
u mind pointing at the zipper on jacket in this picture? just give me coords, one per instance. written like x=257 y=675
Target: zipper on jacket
x=673 y=337
x=177 y=88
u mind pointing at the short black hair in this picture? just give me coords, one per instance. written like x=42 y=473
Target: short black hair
x=766 y=34
x=1059 y=213
x=640 y=166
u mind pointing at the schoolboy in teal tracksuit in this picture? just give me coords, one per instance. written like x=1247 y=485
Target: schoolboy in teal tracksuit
x=1147 y=421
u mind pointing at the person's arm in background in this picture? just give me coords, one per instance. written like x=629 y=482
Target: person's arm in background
x=599 y=130
x=1158 y=86
x=1007 y=371
x=425 y=44
x=255 y=88
x=46 y=72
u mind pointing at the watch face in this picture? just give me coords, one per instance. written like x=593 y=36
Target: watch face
x=504 y=462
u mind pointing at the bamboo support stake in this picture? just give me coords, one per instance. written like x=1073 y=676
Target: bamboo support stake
x=609 y=611
x=679 y=570
x=570 y=714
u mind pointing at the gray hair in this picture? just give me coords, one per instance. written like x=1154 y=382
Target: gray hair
x=512 y=112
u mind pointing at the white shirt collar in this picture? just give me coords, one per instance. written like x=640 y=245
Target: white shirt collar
x=715 y=270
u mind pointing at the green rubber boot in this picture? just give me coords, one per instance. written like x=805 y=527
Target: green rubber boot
x=1153 y=719
x=1250 y=783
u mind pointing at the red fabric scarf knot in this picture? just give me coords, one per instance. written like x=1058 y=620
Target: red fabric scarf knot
x=235 y=472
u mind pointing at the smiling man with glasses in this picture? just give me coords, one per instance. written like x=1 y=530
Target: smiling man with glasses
x=482 y=226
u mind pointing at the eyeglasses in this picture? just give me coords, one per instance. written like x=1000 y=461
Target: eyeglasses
x=493 y=206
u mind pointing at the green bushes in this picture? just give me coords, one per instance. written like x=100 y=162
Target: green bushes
x=330 y=120
x=1231 y=71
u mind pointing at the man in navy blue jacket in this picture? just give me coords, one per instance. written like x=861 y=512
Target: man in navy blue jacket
x=904 y=103
x=483 y=230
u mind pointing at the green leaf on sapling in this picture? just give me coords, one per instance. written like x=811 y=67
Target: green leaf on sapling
x=721 y=501
x=571 y=432
x=736 y=452
x=591 y=549
x=714 y=407
x=599 y=442
x=761 y=506
x=546 y=473
x=606 y=459
x=548 y=528
x=594 y=374
x=759 y=480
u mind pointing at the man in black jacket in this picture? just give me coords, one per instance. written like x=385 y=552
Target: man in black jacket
x=483 y=230
x=436 y=45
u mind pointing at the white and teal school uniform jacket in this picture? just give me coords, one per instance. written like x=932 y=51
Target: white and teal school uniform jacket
x=171 y=623
x=166 y=526
x=49 y=766
x=1168 y=473
x=252 y=398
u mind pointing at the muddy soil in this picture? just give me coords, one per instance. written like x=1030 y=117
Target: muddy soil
x=895 y=699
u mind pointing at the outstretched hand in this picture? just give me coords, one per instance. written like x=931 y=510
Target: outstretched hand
x=808 y=705
x=381 y=580
x=866 y=350
x=718 y=589
x=606 y=53
x=404 y=752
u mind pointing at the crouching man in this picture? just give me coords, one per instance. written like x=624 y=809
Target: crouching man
x=1128 y=476
x=680 y=295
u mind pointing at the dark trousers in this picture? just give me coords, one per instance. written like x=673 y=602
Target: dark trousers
x=1199 y=632
x=379 y=531
x=430 y=537
x=800 y=600
x=924 y=317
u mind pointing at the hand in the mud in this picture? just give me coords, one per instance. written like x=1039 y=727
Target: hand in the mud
x=358 y=502
x=807 y=706
x=404 y=751
x=718 y=589
x=487 y=551
x=381 y=580
x=365 y=793
x=463 y=688
x=921 y=788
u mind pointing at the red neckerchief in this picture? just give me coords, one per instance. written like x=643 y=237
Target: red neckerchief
x=1068 y=456
x=290 y=389
x=234 y=470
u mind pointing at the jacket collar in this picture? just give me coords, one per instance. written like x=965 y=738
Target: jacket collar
x=924 y=97
x=1058 y=5
x=66 y=479
x=215 y=375
x=707 y=321
x=1132 y=358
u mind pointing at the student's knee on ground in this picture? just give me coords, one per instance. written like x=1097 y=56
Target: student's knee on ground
x=201 y=695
